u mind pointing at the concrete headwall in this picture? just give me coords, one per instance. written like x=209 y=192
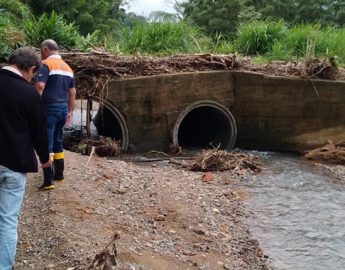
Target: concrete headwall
x=275 y=113
x=151 y=105
x=271 y=113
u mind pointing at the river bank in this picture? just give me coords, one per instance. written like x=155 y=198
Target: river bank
x=165 y=217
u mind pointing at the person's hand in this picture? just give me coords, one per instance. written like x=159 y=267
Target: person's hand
x=47 y=164
x=68 y=119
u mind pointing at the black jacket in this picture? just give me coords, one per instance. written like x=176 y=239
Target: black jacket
x=22 y=124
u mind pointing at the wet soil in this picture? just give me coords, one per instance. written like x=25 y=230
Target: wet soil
x=166 y=217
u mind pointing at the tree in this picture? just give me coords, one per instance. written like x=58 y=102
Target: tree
x=323 y=12
x=223 y=16
x=88 y=15
x=215 y=16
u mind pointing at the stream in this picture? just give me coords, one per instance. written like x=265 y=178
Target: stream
x=298 y=214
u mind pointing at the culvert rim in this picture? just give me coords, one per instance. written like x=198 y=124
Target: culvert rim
x=119 y=117
x=212 y=104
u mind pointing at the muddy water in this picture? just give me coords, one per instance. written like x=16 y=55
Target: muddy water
x=298 y=215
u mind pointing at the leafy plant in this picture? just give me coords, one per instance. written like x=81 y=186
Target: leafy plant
x=54 y=27
x=12 y=13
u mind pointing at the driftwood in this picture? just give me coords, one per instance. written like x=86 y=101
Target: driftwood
x=107 y=259
x=331 y=153
x=221 y=160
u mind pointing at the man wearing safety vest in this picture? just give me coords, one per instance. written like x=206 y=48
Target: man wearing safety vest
x=56 y=85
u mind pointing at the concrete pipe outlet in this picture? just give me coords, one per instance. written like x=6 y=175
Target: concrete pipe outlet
x=109 y=122
x=205 y=124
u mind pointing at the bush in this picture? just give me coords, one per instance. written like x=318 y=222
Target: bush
x=53 y=27
x=12 y=12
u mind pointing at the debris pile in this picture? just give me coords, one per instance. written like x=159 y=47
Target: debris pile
x=331 y=153
x=326 y=69
x=310 y=69
x=95 y=70
x=104 y=146
x=221 y=160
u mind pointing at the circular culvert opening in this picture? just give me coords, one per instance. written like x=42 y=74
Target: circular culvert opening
x=107 y=124
x=105 y=120
x=205 y=124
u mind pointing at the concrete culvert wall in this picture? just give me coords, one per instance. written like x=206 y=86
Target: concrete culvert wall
x=205 y=124
x=110 y=123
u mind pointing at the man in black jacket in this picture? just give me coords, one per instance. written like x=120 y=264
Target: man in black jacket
x=23 y=131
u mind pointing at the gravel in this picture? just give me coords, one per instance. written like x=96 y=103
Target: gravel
x=166 y=218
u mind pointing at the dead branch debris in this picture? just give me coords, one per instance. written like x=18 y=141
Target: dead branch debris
x=103 y=146
x=94 y=70
x=107 y=259
x=221 y=160
x=331 y=153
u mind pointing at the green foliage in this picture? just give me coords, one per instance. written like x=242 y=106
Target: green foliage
x=161 y=38
x=327 y=40
x=87 y=15
x=90 y=40
x=280 y=51
x=222 y=45
x=12 y=13
x=223 y=16
x=323 y=12
x=258 y=37
x=54 y=27
x=5 y=43
x=284 y=43
x=337 y=42
x=216 y=17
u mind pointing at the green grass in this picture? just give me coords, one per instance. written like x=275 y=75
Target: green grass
x=258 y=37
x=279 y=41
x=159 y=38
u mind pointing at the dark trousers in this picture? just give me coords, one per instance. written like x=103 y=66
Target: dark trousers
x=56 y=114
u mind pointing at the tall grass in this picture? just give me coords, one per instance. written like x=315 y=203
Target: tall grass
x=338 y=44
x=162 y=38
x=258 y=37
x=278 y=41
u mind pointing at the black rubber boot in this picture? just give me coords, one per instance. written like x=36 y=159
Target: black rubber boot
x=48 y=179
x=59 y=166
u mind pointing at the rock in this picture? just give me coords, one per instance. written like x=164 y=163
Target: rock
x=207 y=177
x=199 y=231
x=160 y=218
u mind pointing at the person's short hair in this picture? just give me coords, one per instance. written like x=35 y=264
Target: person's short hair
x=24 y=58
x=50 y=44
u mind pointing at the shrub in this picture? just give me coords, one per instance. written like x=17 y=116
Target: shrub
x=12 y=12
x=54 y=27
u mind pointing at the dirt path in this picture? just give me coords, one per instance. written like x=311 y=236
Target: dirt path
x=167 y=218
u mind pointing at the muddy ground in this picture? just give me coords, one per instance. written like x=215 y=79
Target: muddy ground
x=166 y=217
